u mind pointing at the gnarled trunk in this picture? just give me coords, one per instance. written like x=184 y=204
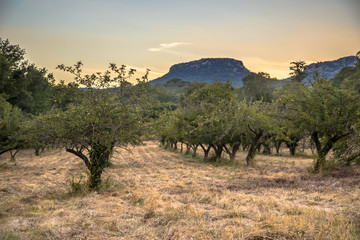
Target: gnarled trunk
x=99 y=156
x=99 y=159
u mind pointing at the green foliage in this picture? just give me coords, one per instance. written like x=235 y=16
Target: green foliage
x=25 y=85
x=11 y=120
x=65 y=94
x=325 y=113
x=105 y=118
x=297 y=70
x=78 y=186
x=259 y=87
x=8 y=235
x=39 y=132
x=212 y=116
x=261 y=127
x=338 y=80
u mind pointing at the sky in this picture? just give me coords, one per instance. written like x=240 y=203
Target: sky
x=265 y=34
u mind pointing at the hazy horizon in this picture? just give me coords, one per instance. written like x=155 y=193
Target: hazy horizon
x=266 y=36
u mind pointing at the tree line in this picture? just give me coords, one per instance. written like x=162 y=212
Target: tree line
x=97 y=112
x=223 y=118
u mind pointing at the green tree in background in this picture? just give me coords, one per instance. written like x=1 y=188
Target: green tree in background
x=11 y=120
x=325 y=113
x=25 y=85
x=259 y=87
x=298 y=70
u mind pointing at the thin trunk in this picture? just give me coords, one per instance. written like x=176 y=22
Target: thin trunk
x=181 y=147
x=13 y=154
x=188 y=147
x=303 y=145
x=175 y=146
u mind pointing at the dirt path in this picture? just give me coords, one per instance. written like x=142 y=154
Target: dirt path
x=152 y=193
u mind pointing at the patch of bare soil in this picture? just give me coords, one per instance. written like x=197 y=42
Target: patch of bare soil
x=339 y=179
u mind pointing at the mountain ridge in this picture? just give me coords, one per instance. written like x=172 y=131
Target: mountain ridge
x=222 y=69
x=207 y=70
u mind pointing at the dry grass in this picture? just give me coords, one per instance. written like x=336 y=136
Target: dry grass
x=156 y=194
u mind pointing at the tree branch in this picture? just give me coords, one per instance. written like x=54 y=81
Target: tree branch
x=80 y=155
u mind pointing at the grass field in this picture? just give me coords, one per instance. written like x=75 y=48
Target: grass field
x=153 y=193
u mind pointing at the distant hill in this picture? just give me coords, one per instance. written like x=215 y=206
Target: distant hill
x=211 y=69
x=329 y=68
x=207 y=70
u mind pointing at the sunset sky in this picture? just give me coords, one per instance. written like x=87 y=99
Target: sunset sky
x=265 y=34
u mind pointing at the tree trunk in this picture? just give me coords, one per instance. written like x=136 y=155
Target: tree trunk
x=181 y=147
x=37 y=151
x=218 y=150
x=258 y=147
x=322 y=151
x=3 y=151
x=175 y=146
x=245 y=147
x=292 y=147
x=99 y=159
x=252 y=149
x=194 y=147
x=13 y=154
x=80 y=155
x=277 y=145
x=188 y=147
x=319 y=162
x=162 y=141
x=266 y=149
x=232 y=152
x=303 y=145
x=312 y=148
x=206 y=151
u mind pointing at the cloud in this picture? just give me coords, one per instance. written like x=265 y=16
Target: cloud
x=164 y=47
